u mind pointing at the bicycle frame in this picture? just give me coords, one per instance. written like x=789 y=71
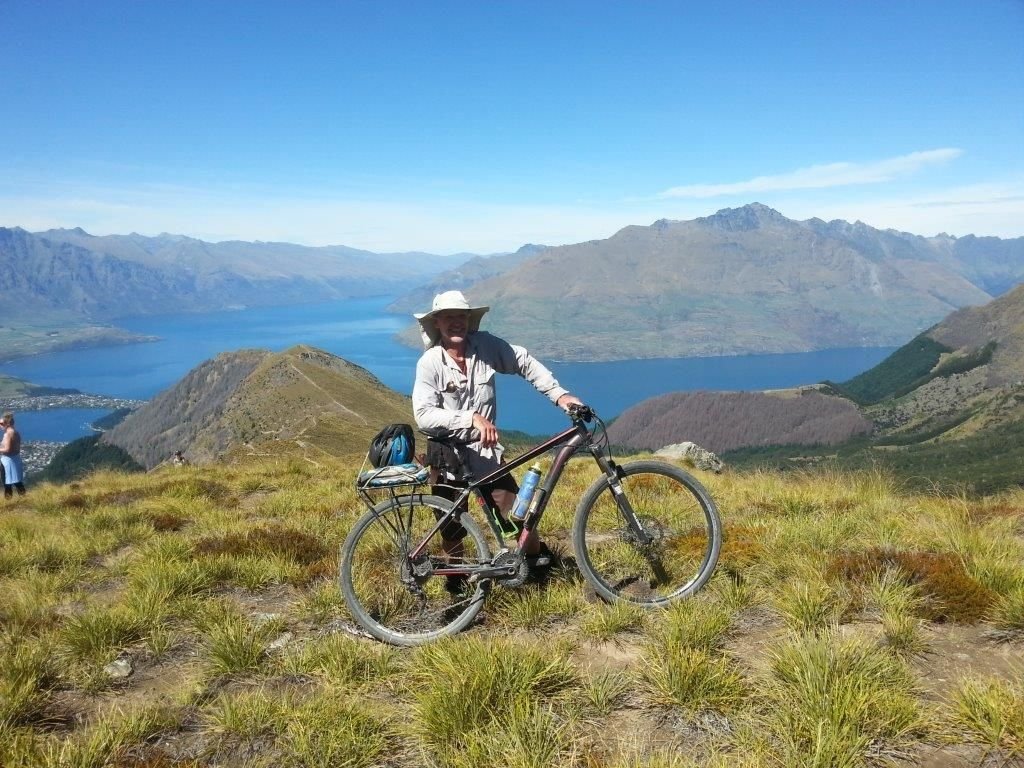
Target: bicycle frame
x=569 y=442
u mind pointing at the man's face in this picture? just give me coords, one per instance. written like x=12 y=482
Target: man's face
x=453 y=325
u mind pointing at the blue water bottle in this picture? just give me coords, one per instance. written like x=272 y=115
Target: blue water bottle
x=525 y=495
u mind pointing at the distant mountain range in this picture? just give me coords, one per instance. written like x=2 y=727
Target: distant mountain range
x=302 y=401
x=745 y=280
x=70 y=286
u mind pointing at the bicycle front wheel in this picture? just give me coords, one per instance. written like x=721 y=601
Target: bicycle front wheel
x=398 y=598
x=671 y=550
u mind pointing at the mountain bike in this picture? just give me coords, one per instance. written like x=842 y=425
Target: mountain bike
x=645 y=532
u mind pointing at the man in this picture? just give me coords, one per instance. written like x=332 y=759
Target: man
x=10 y=457
x=454 y=393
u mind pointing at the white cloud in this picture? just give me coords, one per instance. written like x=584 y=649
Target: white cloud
x=822 y=176
x=994 y=209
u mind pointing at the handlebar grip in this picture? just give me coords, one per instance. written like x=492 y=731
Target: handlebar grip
x=581 y=412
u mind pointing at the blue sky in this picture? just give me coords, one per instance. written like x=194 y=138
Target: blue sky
x=480 y=126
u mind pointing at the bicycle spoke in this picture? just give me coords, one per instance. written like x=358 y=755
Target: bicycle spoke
x=399 y=598
x=674 y=551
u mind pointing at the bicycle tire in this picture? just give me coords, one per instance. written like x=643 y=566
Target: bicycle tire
x=674 y=509
x=377 y=579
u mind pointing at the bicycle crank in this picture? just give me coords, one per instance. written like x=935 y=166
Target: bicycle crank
x=509 y=569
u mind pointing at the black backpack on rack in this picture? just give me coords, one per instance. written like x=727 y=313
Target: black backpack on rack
x=393 y=445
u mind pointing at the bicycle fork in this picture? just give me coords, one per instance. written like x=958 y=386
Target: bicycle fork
x=613 y=474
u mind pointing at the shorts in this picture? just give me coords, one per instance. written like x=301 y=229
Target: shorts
x=499 y=495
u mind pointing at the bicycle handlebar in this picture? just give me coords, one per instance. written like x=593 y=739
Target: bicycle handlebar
x=581 y=412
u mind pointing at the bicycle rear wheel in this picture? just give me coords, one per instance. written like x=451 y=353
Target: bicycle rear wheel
x=398 y=599
x=679 y=545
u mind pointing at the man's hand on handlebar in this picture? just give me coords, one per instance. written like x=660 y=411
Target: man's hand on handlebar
x=487 y=431
x=580 y=411
x=566 y=401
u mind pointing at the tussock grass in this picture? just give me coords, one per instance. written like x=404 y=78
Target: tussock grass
x=809 y=605
x=605 y=690
x=27 y=676
x=332 y=729
x=829 y=699
x=898 y=605
x=682 y=666
x=344 y=662
x=180 y=570
x=30 y=600
x=248 y=714
x=97 y=635
x=603 y=622
x=101 y=743
x=463 y=687
x=528 y=735
x=692 y=679
x=1008 y=613
x=993 y=710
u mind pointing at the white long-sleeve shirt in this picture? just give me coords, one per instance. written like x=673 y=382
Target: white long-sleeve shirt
x=444 y=398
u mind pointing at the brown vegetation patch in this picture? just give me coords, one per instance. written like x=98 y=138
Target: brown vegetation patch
x=74 y=501
x=296 y=545
x=949 y=592
x=741 y=548
x=982 y=513
x=324 y=568
x=168 y=521
x=722 y=421
x=124 y=498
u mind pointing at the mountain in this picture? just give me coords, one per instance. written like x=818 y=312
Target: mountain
x=724 y=421
x=745 y=280
x=475 y=270
x=944 y=410
x=256 y=402
x=962 y=377
x=71 y=286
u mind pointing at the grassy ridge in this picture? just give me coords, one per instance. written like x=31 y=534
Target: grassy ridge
x=215 y=586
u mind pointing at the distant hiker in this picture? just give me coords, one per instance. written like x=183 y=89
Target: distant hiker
x=454 y=394
x=178 y=459
x=10 y=457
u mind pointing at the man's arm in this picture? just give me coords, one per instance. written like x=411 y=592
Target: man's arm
x=511 y=358
x=5 y=444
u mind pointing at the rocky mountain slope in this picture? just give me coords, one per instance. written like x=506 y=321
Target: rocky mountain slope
x=947 y=408
x=745 y=280
x=302 y=400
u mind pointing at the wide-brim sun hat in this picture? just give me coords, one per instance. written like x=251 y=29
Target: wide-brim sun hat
x=443 y=302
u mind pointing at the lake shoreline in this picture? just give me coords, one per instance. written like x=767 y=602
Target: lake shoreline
x=364 y=333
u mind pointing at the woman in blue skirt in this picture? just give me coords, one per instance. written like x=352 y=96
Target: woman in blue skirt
x=10 y=457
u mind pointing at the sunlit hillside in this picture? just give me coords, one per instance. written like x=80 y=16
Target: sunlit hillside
x=257 y=402
x=190 y=616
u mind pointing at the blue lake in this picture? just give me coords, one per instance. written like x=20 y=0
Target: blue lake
x=360 y=331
